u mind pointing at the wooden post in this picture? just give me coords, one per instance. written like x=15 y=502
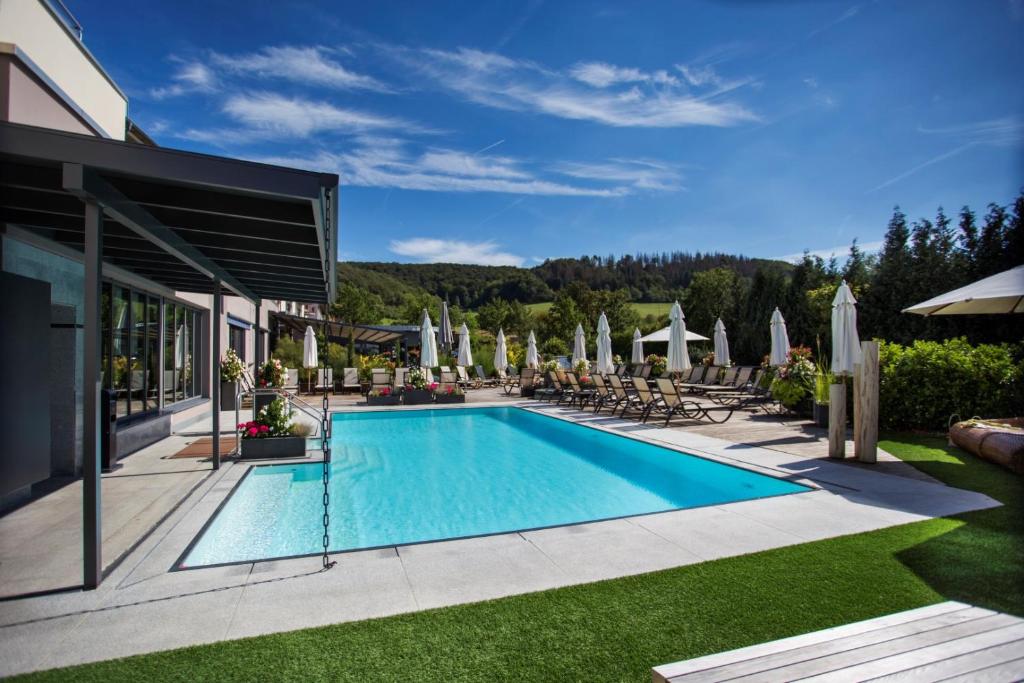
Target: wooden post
x=857 y=377
x=837 y=421
x=867 y=403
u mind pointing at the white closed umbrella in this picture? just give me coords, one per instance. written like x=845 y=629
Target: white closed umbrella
x=579 y=347
x=532 y=359
x=999 y=293
x=780 y=340
x=465 y=358
x=309 y=351
x=845 y=340
x=444 y=332
x=721 y=344
x=428 y=342
x=500 y=352
x=678 y=355
x=604 y=345
x=638 y=347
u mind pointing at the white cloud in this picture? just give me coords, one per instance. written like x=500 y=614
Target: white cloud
x=429 y=250
x=586 y=92
x=190 y=77
x=1008 y=130
x=312 y=65
x=641 y=174
x=699 y=75
x=274 y=115
x=385 y=162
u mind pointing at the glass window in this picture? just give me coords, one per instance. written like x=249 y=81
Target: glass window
x=152 y=353
x=197 y=318
x=137 y=378
x=106 y=378
x=180 y=350
x=169 y=337
x=119 y=348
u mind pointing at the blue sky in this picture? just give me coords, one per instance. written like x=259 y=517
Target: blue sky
x=512 y=132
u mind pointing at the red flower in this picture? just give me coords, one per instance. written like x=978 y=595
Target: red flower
x=253 y=431
x=386 y=391
x=250 y=424
x=241 y=425
x=264 y=428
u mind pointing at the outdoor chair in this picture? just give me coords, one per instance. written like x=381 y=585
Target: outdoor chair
x=636 y=369
x=323 y=381
x=576 y=394
x=738 y=379
x=622 y=370
x=642 y=401
x=709 y=378
x=603 y=395
x=350 y=380
x=445 y=368
x=553 y=389
x=672 y=403
x=483 y=378
x=380 y=378
x=750 y=394
x=464 y=381
x=291 y=379
x=645 y=371
x=448 y=379
x=527 y=382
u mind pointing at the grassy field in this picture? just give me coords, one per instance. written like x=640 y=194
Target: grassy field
x=616 y=630
x=643 y=309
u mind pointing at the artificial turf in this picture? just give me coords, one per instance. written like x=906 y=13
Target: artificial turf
x=617 y=630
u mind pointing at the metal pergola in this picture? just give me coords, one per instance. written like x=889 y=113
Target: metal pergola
x=190 y=222
x=336 y=331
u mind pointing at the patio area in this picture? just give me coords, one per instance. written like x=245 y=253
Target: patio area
x=143 y=606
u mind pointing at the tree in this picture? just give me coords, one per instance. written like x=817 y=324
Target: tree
x=991 y=246
x=1015 y=234
x=355 y=306
x=712 y=294
x=886 y=296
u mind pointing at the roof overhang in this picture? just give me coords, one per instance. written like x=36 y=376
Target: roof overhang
x=177 y=218
x=340 y=331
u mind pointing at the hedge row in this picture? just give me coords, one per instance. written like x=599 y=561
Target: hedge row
x=922 y=385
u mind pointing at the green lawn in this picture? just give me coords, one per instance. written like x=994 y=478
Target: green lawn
x=616 y=630
x=643 y=309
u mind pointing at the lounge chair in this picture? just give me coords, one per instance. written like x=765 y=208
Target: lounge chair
x=553 y=389
x=622 y=370
x=733 y=383
x=444 y=368
x=325 y=382
x=642 y=401
x=709 y=378
x=350 y=379
x=744 y=396
x=379 y=379
x=483 y=378
x=464 y=381
x=672 y=403
x=399 y=379
x=527 y=382
x=448 y=379
x=576 y=393
x=291 y=379
x=603 y=394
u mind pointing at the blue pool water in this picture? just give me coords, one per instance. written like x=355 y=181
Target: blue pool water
x=412 y=476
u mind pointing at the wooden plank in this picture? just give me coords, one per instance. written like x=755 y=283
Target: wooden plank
x=939 y=661
x=837 y=421
x=961 y=664
x=1010 y=671
x=848 y=657
x=667 y=671
x=867 y=426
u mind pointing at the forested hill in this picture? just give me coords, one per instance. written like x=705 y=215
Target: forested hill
x=647 y=277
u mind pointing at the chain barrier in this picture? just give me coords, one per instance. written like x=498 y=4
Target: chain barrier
x=325 y=418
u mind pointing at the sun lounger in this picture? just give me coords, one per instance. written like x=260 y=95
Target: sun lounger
x=464 y=381
x=350 y=380
x=379 y=379
x=527 y=382
x=672 y=403
x=576 y=394
x=553 y=389
x=641 y=401
x=483 y=378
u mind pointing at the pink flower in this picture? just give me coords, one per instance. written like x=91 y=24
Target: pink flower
x=253 y=431
x=241 y=425
x=264 y=428
x=250 y=424
x=386 y=391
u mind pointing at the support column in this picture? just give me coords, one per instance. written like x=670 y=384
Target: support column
x=867 y=403
x=837 y=421
x=258 y=338
x=92 y=517
x=215 y=374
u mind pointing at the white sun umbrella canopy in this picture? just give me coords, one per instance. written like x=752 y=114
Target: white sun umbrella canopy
x=638 y=347
x=532 y=359
x=444 y=332
x=845 y=340
x=500 y=352
x=604 y=345
x=465 y=358
x=999 y=293
x=579 y=347
x=780 y=340
x=678 y=354
x=662 y=336
x=428 y=342
x=309 y=350
x=721 y=344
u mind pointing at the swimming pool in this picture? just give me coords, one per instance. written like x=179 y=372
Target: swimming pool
x=400 y=477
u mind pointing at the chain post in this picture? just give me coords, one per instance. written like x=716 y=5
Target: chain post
x=325 y=418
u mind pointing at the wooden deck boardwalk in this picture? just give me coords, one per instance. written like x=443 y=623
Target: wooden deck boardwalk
x=949 y=641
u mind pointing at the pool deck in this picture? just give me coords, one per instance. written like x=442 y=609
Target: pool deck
x=143 y=606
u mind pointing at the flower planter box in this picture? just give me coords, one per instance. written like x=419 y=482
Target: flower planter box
x=228 y=393
x=449 y=398
x=821 y=414
x=274 y=447
x=417 y=396
x=390 y=400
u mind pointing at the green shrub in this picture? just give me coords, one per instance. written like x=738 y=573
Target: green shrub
x=922 y=385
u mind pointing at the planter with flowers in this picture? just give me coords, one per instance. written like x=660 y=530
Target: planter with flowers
x=658 y=364
x=271 y=376
x=231 y=369
x=793 y=383
x=383 y=397
x=272 y=434
x=449 y=394
x=417 y=389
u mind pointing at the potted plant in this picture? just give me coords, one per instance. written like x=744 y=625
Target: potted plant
x=449 y=394
x=658 y=364
x=417 y=390
x=383 y=397
x=230 y=373
x=272 y=434
x=270 y=376
x=794 y=382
